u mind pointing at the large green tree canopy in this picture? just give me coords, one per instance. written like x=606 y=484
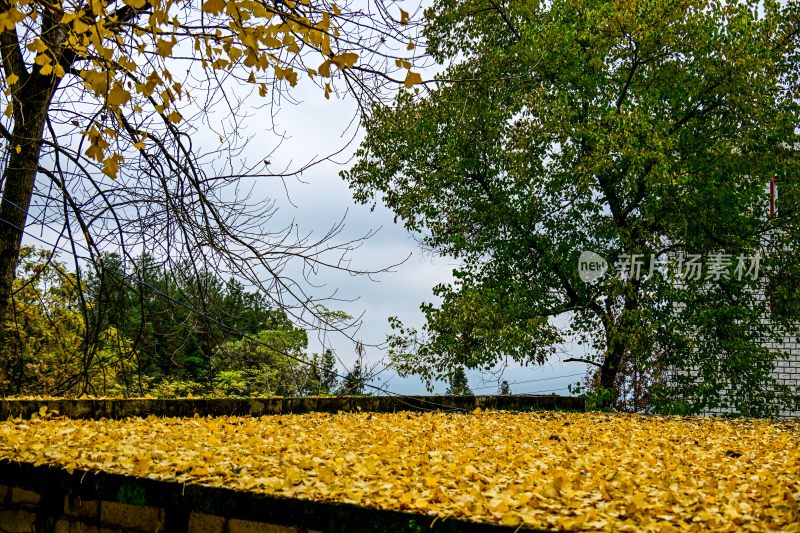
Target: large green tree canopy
x=637 y=127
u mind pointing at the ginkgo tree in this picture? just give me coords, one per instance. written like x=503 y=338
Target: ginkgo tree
x=636 y=131
x=103 y=101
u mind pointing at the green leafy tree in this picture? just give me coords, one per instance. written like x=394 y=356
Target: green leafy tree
x=354 y=382
x=458 y=385
x=505 y=388
x=48 y=353
x=121 y=335
x=266 y=363
x=619 y=128
x=175 y=318
x=323 y=371
x=112 y=315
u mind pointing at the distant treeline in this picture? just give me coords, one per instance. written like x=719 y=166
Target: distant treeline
x=146 y=328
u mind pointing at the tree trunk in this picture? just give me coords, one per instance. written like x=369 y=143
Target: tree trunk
x=31 y=103
x=618 y=338
x=611 y=362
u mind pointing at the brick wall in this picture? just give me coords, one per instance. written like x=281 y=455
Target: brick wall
x=787 y=371
x=49 y=499
x=20 y=512
x=120 y=408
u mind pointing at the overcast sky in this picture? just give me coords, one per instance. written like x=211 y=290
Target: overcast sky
x=320 y=198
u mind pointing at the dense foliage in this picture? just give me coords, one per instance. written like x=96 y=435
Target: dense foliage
x=618 y=128
x=172 y=332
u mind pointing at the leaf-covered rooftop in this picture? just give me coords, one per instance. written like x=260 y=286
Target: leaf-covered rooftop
x=555 y=470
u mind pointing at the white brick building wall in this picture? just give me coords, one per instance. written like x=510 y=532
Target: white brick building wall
x=787 y=371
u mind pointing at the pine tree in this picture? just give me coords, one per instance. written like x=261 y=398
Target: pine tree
x=459 y=386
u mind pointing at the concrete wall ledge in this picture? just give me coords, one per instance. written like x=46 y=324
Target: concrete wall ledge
x=122 y=408
x=98 y=501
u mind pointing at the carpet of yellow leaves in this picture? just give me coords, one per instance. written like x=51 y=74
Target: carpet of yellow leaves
x=553 y=470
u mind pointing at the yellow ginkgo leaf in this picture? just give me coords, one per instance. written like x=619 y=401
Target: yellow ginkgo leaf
x=37 y=45
x=326 y=475
x=95 y=152
x=235 y=53
x=6 y=22
x=404 y=17
x=345 y=60
x=412 y=78
x=111 y=167
x=287 y=74
x=325 y=69
x=12 y=79
x=164 y=47
x=214 y=7
x=80 y=26
x=118 y=96
x=97 y=81
x=174 y=117
x=97 y=7
x=326 y=44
